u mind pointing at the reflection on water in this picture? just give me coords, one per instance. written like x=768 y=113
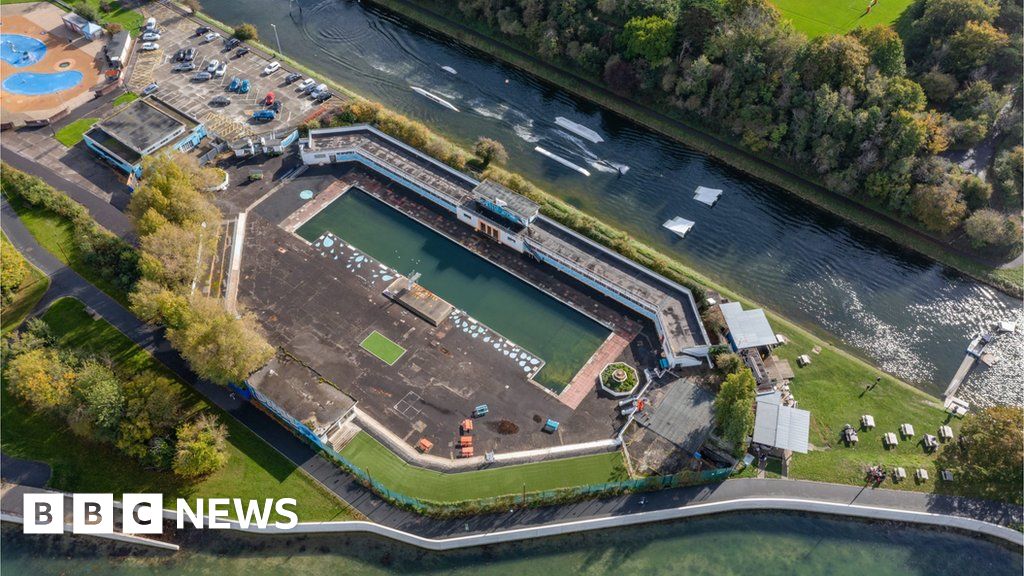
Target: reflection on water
x=912 y=317
x=764 y=544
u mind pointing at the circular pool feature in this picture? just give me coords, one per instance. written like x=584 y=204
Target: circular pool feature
x=37 y=84
x=64 y=64
x=20 y=51
x=306 y=194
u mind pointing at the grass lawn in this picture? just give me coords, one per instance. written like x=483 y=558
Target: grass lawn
x=254 y=469
x=125 y=98
x=387 y=468
x=834 y=389
x=73 y=132
x=820 y=17
x=54 y=233
x=31 y=291
x=130 y=19
x=382 y=347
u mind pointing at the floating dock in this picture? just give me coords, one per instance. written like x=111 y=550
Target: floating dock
x=579 y=129
x=975 y=350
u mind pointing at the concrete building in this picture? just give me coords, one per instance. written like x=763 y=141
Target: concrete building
x=117 y=50
x=515 y=221
x=299 y=397
x=142 y=128
x=77 y=25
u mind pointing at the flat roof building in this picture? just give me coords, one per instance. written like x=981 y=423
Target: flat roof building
x=782 y=427
x=116 y=51
x=747 y=328
x=143 y=128
x=297 y=395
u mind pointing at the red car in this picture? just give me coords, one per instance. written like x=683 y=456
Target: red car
x=269 y=99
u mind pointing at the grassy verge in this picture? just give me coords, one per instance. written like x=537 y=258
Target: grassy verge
x=254 y=470
x=31 y=291
x=55 y=233
x=385 y=467
x=72 y=133
x=126 y=98
x=706 y=140
x=130 y=19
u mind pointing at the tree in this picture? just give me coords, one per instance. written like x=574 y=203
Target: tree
x=938 y=86
x=975 y=191
x=98 y=401
x=12 y=271
x=152 y=406
x=988 y=228
x=40 y=378
x=170 y=187
x=650 y=38
x=489 y=150
x=169 y=255
x=729 y=362
x=972 y=47
x=937 y=207
x=834 y=60
x=201 y=447
x=193 y=5
x=218 y=346
x=86 y=11
x=246 y=31
x=734 y=406
x=988 y=455
x=1009 y=173
x=620 y=76
x=884 y=47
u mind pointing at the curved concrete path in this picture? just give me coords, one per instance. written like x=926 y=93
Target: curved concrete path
x=629 y=508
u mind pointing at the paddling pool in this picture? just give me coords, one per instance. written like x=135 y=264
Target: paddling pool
x=20 y=51
x=36 y=84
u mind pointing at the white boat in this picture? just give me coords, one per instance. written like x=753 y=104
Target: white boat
x=563 y=161
x=449 y=69
x=579 y=129
x=434 y=97
x=1006 y=326
x=707 y=195
x=680 y=226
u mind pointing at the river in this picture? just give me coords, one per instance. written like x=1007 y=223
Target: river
x=910 y=316
x=765 y=544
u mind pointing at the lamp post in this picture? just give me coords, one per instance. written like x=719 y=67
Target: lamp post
x=278 y=39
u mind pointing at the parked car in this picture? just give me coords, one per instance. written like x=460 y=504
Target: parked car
x=221 y=70
x=220 y=101
x=202 y=30
x=212 y=66
x=212 y=36
x=150 y=24
x=231 y=43
x=148 y=46
x=235 y=83
x=264 y=115
x=244 y=87
x=276 y=106
x=184 y=67
x=241 y=51
x=179 y=55
x=202 y=77
x=291 y=78
x=320 y=89
x=190 y=54
x=150 y=36
x=150 y=89
x=269 y=99
x=272 y=67
x=324 y=96
x=306 y=84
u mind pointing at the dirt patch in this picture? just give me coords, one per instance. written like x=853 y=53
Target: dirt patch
x=504 y=427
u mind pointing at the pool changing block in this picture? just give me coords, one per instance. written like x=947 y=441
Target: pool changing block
x=376 y=274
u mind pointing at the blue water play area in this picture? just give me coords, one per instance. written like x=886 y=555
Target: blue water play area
x=35 y=84
x=20 y=51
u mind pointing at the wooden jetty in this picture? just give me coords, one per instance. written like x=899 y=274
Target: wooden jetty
x=974 y=352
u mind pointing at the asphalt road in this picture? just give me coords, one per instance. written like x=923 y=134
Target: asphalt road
x=65 y=282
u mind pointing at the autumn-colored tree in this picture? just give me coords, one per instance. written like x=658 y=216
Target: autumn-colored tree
x=201 y=448
x=938 y=207
x=40 y=378
x=12 y=271
x=973 y=47
x=169 y=255
x=489 y=150
x=987 y=228
x=218 y=346
x=989 y=454
x=246 y=31
x=884 y=47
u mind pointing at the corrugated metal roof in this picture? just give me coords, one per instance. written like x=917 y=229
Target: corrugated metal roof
x=748 y=328
x=782 y=427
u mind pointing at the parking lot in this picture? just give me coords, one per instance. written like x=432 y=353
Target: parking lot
x=232 y=121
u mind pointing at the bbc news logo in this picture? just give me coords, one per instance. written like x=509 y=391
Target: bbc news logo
x=144 y=514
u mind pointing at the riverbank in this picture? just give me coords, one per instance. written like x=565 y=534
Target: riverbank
x=704 y=140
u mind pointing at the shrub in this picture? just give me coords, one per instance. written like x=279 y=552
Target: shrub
x=201 y=447
x=246 y=31
x=13 y=270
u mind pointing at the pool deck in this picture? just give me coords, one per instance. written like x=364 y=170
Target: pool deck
x=42 y=21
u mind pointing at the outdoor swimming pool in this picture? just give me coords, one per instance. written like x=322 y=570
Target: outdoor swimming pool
x=35 y=84
x=20 y=51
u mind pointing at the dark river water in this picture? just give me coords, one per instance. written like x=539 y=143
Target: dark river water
x=910 y=316
x=765 y=544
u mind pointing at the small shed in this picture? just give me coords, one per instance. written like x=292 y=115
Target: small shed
x=803 y=360
x=930 y=442
x=907 y=430
x=947 y=475
x=889 y=440
x=424 y=445
x=921 y=475
x=945 y=433
x=867 y=421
